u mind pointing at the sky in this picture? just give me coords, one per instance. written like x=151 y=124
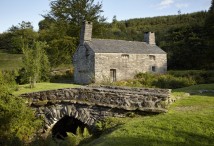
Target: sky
x=13 y=12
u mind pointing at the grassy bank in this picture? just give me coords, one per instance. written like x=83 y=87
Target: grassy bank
x=10 y=61
x=42 y=87
x=190 y=121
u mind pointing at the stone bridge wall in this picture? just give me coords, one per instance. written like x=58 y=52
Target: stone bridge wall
x=89 y=104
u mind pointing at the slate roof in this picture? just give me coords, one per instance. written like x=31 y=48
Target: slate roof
x=122 y=46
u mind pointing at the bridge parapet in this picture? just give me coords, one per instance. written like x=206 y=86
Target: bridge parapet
x=142 y=99
x=91 y=103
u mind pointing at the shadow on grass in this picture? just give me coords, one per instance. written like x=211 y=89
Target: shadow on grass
x=62 y=79
x=184 y=139
x=200 y=90
x=211 y=94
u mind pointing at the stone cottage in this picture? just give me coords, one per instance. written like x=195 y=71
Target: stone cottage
x=97 y=60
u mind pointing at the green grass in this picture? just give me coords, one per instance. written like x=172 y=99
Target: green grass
x=190 y=121
x=196 y=88
x=10 y=61
x=42 y=87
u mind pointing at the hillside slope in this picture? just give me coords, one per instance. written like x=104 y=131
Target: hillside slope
x=10 y=61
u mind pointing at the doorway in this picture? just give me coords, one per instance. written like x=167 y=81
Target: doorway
x=113 y=75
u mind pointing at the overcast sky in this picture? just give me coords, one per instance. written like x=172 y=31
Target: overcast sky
x=13 y=12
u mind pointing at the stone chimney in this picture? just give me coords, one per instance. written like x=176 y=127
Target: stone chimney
x=86 y=32
x=149 y=37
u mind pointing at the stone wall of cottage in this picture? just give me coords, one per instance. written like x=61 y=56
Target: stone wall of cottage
x=127 y=65
x=83 y=61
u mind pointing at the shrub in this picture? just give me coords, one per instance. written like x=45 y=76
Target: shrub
x=40 y=141
x=146 y=79
x=169 y=81
x=130 y=83
x=200 y=76
x=17 y=121
x=9 y=79
x=157 y=80
x=107 y=125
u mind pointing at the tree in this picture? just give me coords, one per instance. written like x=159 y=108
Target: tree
x=73 y=12
x=183 y=37
x=16 y=36
x=210 y=33
x=212 y=7
x=114 y=19
x=61 y=27
x=60 y=46
x=61 y=50
x=36 y=63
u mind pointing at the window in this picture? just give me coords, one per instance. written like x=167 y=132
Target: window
x=125 y=59
x=153 y=68
x=152 y=57
x=125 y=56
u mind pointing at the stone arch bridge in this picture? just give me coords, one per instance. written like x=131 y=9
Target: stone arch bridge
x=90 y=104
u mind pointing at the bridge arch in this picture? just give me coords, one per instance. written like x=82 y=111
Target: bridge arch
x=52 y=114
x=90 y=104
x=68 y=124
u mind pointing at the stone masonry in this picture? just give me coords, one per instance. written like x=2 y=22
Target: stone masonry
x=101 y=60
x=126 y=67
x=90 y=104
x=149 y=37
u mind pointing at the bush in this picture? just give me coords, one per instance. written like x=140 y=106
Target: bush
x=129 y=83
x=172 y=80
x=9 y=79
x=157 y=80
x=17 y=121
x=146 y=79
x=200 y=76
x=107 y=124
x=169 y=81
x=164 y=80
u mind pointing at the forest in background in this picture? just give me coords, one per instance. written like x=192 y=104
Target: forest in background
x=187 y=38
x=183 y=37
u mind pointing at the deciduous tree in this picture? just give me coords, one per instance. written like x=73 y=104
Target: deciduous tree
x=75 y=11
x=36 y=63
x=16 y=36
x=61 y=27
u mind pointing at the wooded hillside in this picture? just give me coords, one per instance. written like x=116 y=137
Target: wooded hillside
x=187 y=38
x=183 y=37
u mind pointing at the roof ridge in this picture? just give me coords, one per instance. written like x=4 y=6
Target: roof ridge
x=117 y=40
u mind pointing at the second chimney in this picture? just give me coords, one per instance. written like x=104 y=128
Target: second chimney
x=149 y=37
x=86 y=32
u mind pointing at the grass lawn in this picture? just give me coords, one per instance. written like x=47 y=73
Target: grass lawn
x=190 y=121
x=10 y=61
x=42 y=87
